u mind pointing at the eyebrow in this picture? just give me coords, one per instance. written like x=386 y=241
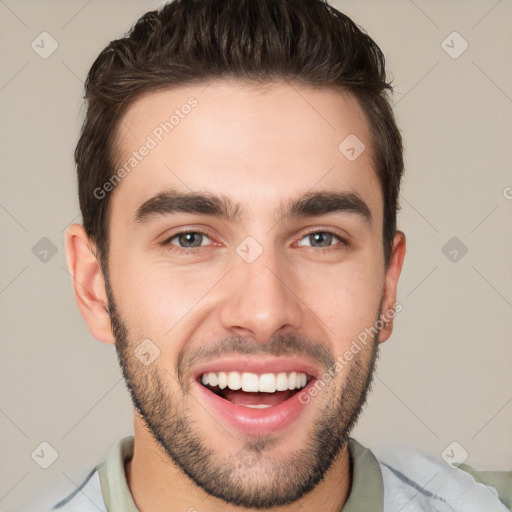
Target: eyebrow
x=310 y=204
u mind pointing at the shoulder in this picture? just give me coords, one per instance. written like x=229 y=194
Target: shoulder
x=87 y=497
x=95 y=490
x=419 y=481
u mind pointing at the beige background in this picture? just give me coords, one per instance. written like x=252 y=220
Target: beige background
x=444 y=376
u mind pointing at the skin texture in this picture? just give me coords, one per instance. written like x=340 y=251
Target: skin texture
x=258 y=146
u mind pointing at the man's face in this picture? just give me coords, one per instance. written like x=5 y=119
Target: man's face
x=290 y=292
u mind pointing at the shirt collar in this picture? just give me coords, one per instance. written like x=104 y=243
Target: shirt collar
x=367 y=489
x=366 y=492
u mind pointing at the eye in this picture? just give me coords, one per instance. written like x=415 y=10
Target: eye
x=324 y=239
x=186 y=241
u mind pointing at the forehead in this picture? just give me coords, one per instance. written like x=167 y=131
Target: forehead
x=256 y=144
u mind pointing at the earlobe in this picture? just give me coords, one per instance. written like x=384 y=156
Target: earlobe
x=391 y=283
x=88 y=283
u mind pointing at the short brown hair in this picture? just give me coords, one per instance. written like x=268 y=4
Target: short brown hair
x=306 y=42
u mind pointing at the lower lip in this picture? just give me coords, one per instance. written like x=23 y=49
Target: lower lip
x=256 y=422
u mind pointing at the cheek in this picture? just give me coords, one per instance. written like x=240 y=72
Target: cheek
x=158 y=302
x=347 y=301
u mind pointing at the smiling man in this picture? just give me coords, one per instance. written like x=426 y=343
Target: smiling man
x=239 y=168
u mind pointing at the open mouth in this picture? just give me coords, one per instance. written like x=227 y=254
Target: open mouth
x=252 y=390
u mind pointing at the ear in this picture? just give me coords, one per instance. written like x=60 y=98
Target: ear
x=396 y=260
x=88 y=283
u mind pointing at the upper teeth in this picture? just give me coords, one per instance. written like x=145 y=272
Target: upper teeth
x=252 y=382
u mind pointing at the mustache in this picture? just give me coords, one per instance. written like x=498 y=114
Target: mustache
x=279 y=345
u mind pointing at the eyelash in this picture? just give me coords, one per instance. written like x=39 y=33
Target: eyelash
x=187 y=251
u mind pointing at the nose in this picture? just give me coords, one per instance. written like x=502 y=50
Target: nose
x=262 y=298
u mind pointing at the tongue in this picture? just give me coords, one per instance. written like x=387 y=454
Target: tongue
x=247 y=398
